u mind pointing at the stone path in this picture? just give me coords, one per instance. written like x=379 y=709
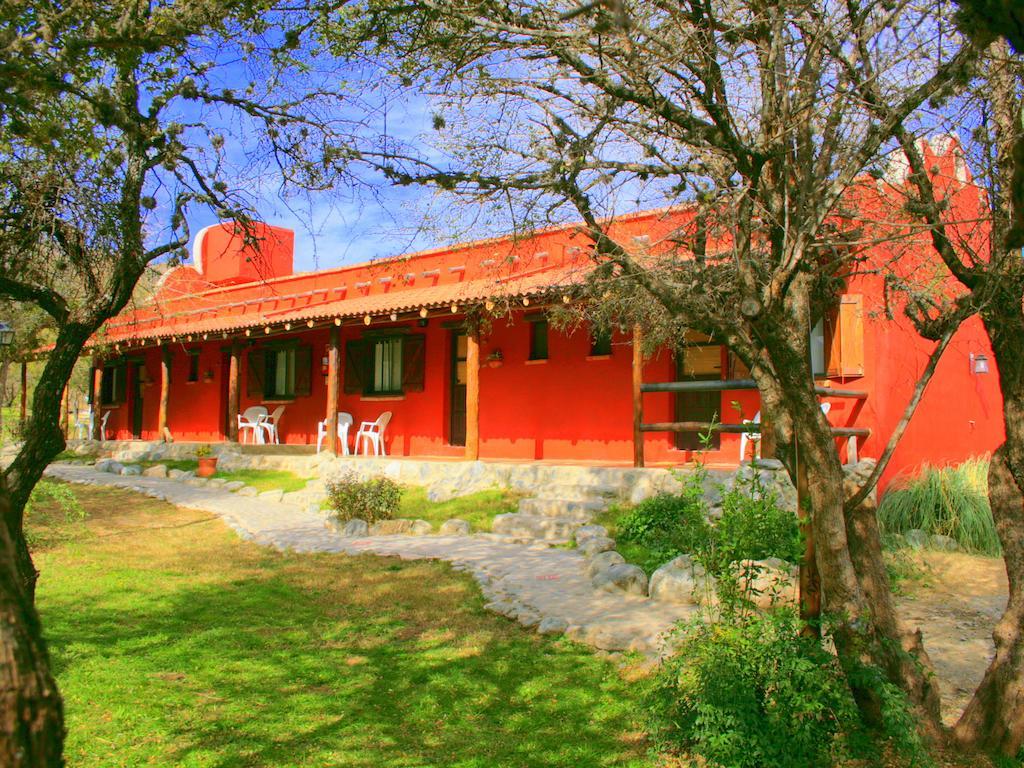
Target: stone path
x=533 y=584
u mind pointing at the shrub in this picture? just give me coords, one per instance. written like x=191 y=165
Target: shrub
x=668 y=525
x=951 y=501
x=753 y=526
x=750 y=692
x=374 y=499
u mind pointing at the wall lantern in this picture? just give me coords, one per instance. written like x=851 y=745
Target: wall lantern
x=6 y=335
x=394 y=317
x=367 y=320
x=979 y=364
x=423 y=312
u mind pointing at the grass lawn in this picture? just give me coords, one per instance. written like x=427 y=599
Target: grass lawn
x=267 y=479
x=176 y=643
x=477 y=509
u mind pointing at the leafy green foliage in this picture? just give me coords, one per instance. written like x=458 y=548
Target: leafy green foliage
x=377 y=498
x=750 y=692
x=951 y=501
x=752 y=526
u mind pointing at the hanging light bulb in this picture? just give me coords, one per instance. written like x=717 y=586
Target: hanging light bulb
x=394 y=316
x=423 y=312
x=366 y=320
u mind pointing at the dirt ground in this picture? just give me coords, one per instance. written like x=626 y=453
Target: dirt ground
x=956 y=601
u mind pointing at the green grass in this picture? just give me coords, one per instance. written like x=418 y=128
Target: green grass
x=477 y=509
x=635 y=553
x=175 y=643
x=267 y=479
x=185 y=465
x=952 y=501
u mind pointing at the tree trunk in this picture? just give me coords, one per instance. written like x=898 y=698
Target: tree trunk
x=994 y=718
x=31 y=712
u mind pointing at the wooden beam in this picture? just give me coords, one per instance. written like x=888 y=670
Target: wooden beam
x=333 y=388
x=473 y=394
x=97 y=396
x=165 y=392
x=638 y=402
x=740 y=384
x=24 y=394
x=698 y=426
x=234 y=364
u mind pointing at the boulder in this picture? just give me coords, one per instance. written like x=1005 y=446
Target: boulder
x=623 y=577
x=179 y=474
x=355 y=527
x=109 y=465
x=917 y=539
x=421 y=528
x=552 y=626
x=131 y=470
x=682 y=580
x=157 y=470
x=234 y=485
x=767 y=582
x=455 y=527
x=603 y=560
x=944 y=543
x=400 y=526
x=197 y=482
x=595 y=545
x=217 y=482
x=585 y=532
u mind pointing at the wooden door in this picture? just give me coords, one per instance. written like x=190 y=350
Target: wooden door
x=457 y=426
x=700 y=361
x=137 y=389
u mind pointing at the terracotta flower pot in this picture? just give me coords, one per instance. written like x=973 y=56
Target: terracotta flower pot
x=207 y=466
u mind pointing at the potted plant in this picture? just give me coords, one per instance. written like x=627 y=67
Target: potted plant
x=495 y=359
x=207 y=461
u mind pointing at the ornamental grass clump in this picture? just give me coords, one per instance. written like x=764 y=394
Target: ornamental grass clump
x=372 y=499
x=950 y=501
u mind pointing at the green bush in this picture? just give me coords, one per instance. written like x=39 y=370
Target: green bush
x=350 y=497
x=951 y=501
x=753 y=526
x=750 y=692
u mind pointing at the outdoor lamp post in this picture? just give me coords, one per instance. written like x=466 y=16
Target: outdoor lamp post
x=6 y=334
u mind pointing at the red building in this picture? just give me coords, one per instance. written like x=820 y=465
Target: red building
x=238 y=328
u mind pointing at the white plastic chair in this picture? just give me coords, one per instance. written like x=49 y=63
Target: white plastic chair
x=83 y=424
x=755 y=436
x=371 y=433
x=344 y=423
x=250 y=419
x=269 y=425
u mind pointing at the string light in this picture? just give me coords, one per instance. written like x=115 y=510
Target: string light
x=337 y=321
x=366 y=320
x=489 y=305
x=423 y=312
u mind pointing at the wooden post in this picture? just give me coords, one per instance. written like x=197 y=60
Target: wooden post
x=65 y=424
x=473 y=394
x=234 y=364
x=165 y=394
x=24 y=395
x=638 y=403
x=97 y=396
x=333 y=387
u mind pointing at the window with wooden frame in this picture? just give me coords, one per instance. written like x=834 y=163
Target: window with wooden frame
x=600 y=342
x=193 y=365
x=280 y=372
x=113 y=384
x=385 y=364
x=538 y=338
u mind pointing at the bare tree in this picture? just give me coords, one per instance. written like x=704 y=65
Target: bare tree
x=108 y=136
x=747 y=113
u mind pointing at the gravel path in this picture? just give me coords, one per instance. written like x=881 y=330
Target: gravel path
x=531 y=583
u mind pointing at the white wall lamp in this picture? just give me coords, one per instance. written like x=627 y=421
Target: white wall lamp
x=979 y=364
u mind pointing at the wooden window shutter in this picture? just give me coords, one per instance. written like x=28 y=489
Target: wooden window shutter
x=356 y=366
x=255 y=371
x=414 y=363
x=845 y=337
x=303 y=371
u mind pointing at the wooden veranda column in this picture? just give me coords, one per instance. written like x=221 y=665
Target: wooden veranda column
x=234 y=366
x=24 y=394
x=97 y=394
x=638 y=380
x=333 y=387
x=473 y=394
x=163 y=433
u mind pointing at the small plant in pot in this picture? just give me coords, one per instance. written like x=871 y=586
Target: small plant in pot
x=207 y=461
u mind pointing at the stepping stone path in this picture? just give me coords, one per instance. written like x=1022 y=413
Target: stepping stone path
x=539 y=586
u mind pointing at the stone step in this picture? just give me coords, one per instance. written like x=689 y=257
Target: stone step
x=578 y=492
x=535 y=526
x=576 y=510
